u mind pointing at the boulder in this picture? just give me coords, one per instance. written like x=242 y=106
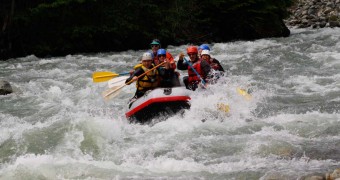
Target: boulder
x=5 y=88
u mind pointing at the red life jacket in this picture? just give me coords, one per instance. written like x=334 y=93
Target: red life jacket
x=171 y=59
x=192 y=75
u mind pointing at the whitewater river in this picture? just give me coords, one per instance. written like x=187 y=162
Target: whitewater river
x=56 y=125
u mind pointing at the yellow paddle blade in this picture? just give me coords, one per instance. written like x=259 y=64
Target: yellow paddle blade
x=244 y=93
x=114 y=91
x=103 y=76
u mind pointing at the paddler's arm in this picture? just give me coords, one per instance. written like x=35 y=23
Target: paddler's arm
x=220 y=68
x=165 y=73
x=171 y=60
x=134 y=76
x=135 y=67
x=180 y=64
x=205 y=66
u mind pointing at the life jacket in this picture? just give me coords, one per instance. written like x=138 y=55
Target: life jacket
x=148 y=81
x=137 y=66
x=192 y=75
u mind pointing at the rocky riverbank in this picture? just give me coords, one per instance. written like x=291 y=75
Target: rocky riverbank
x=315 y=14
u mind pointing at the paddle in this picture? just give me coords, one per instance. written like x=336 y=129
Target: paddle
x=112 y=87
x=223 y=107
x=105 y=76
x=189 y=63
x=117 y=81
x=108 y=93
x=244 y=93
x=113 y=91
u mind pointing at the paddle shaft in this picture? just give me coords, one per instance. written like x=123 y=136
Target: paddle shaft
x=117 y=81
x=120 y=87
x=189 y=63
x=124 y=73
x=146 y=72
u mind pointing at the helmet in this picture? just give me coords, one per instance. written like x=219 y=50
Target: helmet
x=155 y=42
x=161 y=52
x=204 y=47
x=192 y=49
x=147 y=56
x=205 y=52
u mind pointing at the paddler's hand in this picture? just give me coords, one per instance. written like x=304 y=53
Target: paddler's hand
x=204 y=86
x=166 y=64
x=172 y=64
x=181 y=56
x=135 y=78
x=214 y=65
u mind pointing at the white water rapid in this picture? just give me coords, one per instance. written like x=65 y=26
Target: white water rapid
x=56 y=124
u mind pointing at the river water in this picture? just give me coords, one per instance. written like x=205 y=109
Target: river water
x=56 y=125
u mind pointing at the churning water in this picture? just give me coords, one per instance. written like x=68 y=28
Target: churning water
x=56 y=124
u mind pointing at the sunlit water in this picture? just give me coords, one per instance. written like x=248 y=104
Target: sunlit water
x=56 y=125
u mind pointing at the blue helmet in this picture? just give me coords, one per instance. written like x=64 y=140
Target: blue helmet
x=161 y=52
x=204 y=47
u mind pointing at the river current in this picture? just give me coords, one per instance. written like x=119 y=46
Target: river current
x=56 y=125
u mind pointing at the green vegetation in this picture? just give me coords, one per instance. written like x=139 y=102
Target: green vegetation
x=60 y=27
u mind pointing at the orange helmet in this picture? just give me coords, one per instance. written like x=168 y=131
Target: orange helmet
x=192 y=49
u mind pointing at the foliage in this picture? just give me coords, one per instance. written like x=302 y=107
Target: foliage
x=60 y=27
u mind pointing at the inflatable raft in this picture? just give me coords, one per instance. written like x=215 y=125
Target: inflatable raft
x=158 y=102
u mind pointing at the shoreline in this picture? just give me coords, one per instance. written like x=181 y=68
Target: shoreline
x=314 y=14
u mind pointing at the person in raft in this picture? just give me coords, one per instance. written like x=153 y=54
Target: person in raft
x=217 y=70
x=202 y=68
x=214 y=63
x=155 y=46
x=201 y=48
x=167 y=71
x=147 y=82
x=204 y=49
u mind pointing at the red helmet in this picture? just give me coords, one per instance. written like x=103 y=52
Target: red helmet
x=192 y=49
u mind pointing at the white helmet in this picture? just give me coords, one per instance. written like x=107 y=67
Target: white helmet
x=205 y=52
x=147 y=56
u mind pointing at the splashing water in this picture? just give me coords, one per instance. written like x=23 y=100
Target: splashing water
x=57 y=126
